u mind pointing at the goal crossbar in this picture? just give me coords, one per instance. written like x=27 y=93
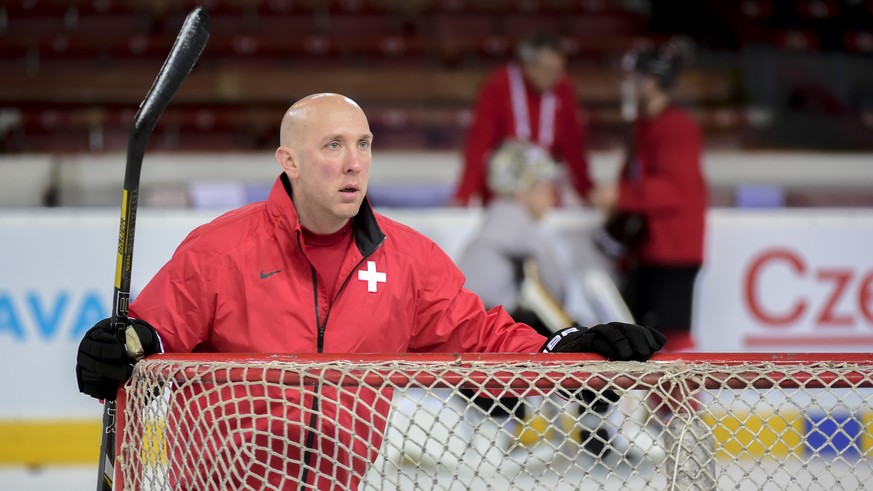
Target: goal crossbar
x=317 y=368
x=389 y=421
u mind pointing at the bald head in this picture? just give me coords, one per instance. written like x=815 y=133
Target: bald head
x=325 y=153
x=299 y=117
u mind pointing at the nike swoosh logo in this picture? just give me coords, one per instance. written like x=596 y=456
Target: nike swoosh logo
x=271 y=273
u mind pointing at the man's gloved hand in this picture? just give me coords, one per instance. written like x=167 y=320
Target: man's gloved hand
x=614 y=340
x=105 y=362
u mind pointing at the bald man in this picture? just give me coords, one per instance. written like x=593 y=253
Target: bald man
x=311 y=269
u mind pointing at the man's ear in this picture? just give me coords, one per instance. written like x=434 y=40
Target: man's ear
x=287 y=160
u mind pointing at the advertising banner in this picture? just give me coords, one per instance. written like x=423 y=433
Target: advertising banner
x=790 y=280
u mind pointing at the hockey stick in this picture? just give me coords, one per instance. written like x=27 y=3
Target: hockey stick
x=185 y=52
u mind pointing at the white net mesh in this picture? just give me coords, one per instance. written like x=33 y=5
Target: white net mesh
x=496 y=422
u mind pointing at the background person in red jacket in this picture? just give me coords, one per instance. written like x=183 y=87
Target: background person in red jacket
x=312 y=269
x=662 y=196
x=531 y=100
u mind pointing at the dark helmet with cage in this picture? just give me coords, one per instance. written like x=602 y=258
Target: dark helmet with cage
x=663 y=62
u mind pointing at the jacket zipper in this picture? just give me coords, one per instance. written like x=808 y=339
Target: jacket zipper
x=318 y=325
x=309 y=441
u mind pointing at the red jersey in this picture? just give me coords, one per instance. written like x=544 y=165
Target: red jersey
x=665 y=183
x=243 y=284
x=552 y=120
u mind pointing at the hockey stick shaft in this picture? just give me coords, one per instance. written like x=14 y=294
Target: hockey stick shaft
x=186 y=50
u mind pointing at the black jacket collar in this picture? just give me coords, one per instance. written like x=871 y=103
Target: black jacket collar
x=368 y=235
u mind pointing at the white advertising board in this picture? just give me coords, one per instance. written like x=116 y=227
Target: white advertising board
x=789 y=280
x=57 y=270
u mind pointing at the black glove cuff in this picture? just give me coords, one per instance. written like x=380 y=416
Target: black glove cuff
x=567 y=340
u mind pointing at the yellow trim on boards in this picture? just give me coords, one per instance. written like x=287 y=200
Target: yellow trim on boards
x=49 y=442
x=77 y=442
x=753 y=435
x=66 y=442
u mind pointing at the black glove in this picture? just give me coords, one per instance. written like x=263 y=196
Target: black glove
x=105 y=362
x=614 y=340
x=621 y=233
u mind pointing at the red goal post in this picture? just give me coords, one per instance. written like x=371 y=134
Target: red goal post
x=367 y=421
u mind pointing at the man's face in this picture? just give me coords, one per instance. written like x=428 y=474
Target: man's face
x=646 y=87
x=546 y=69
x=331 y=156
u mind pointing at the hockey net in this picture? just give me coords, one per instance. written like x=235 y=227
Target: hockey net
x=370 y=422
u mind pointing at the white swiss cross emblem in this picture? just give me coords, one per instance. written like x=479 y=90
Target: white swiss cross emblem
x=371 y=276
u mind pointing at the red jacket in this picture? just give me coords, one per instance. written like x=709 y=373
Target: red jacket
x=242 y=283
x=493 y=123
x=668 y=188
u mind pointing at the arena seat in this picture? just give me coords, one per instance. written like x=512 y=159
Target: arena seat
x=858 y=42
x=817 y=9
x=33 y=26
x=449 y=25
x=756 y=9
x=797 y=39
